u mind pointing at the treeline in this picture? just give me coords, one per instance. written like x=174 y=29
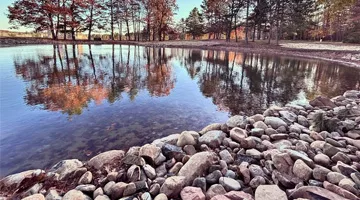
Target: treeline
x=148 y=18
x=334 y=20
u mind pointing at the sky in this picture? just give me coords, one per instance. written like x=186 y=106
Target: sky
x=185 y=6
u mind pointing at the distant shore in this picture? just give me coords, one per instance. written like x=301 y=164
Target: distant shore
x=348 y=54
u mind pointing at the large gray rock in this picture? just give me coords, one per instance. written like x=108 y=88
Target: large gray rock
x=35 y=197
x=106 y=158
x=226 y=156
x=236 y=121
x=173 y=186
x=75 y=194
x=315 y=193
x=256 y=181
x=196 y=166
x=14 y=180
x=301 y=170
x=338 y=190
x=320 y=173
x=149 y=171
x=322 y=159
x=214 y=190
x=288 y=116
x=330 y=150
x=352 y=94
x=299 y=155
x=229 y=184
x=130 y=159
x=161 y=197
x=257 y=117
x=86 y=188
x=210 y=127
x=149 y=152
x=212 y=138
x=269 y=192
x=192 y=193
x=282 y=162
x=53 y=195
x=66 y=167
x=86 y=178
x=349 y=185
x=238 y=134
x=275 y=122
x=102 y=197
x=170 y=139
x=186 y=138
x=233 y=195
x=334 y=177
x=260 y=124
x=321 y=101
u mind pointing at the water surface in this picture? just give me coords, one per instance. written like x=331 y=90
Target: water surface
x=74 y=101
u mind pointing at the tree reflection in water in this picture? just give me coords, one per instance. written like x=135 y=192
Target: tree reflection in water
x=145 y=93
x=70 y=79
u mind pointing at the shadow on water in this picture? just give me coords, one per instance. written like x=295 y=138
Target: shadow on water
x=87 y=99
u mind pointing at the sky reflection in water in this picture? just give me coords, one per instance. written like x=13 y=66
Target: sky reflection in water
x=60 y=102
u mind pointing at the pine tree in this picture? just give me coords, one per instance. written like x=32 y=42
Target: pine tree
x=194 y=23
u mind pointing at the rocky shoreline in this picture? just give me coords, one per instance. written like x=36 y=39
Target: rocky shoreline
x=294 y=152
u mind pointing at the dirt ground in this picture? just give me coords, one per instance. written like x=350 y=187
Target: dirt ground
x=348 y=54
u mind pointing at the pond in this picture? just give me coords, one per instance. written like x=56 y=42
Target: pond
x=74 y=101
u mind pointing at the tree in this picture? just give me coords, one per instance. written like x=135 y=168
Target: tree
x=246 y=21
x=259 y=18
x=194 y=23
x=93 y=18
x=38 y=14
x=181 y=28
x=214 y=12
x=163 y=13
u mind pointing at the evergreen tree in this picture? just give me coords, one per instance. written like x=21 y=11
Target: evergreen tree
x=194 y=23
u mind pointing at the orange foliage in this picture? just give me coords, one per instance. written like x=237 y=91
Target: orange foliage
x=71 y=98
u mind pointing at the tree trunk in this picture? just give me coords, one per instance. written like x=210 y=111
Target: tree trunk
x=134 y=27
x=112 y=20
x=259 y=31
x=253 y=36
x=120 y=31
x=53 y=35
x=247 y=22
x=91 y=22
x=277 y=22
x=128 y=29
x=236 y=35
x=159 y=31
x=269 y=39
x=73 y=37
x=148 y=28
x=139 y=28
x=65 y=24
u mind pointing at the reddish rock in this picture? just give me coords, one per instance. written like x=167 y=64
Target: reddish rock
x=340 y=191
x=315 y=193
x=192 y=193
